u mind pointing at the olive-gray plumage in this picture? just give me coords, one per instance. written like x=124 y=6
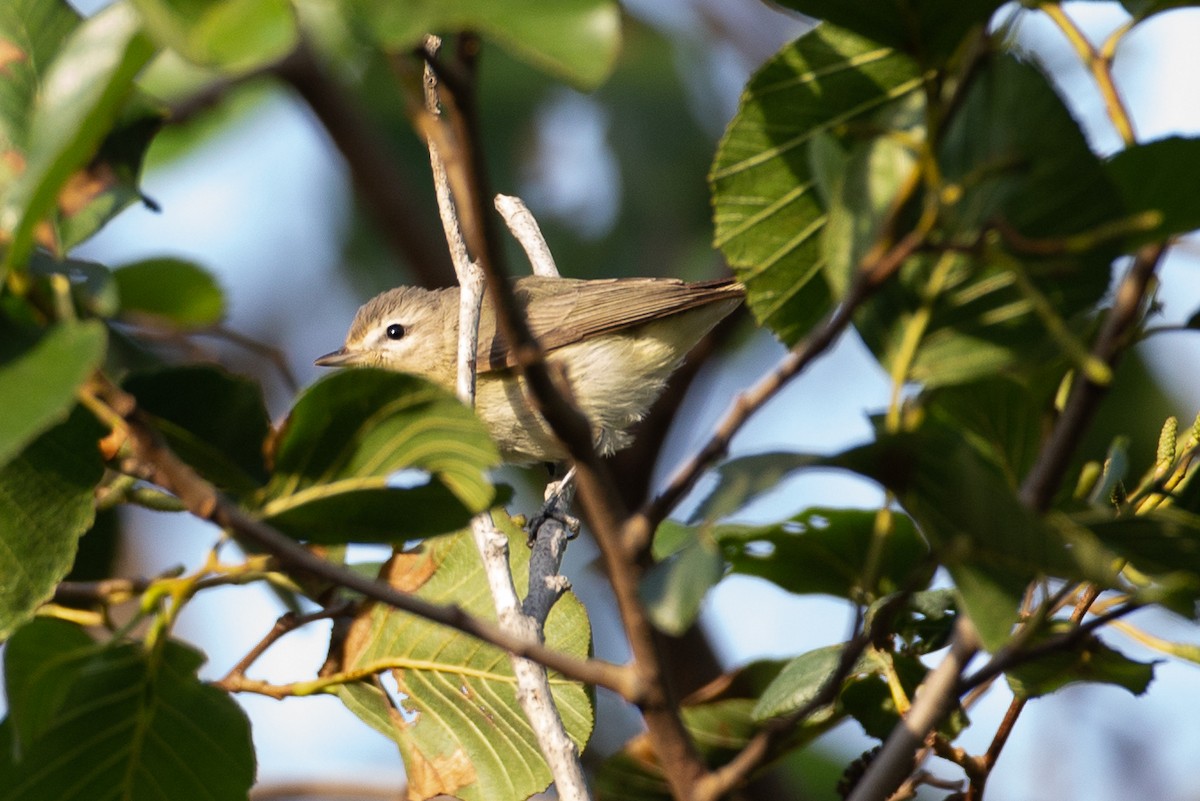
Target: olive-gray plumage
x=618 y=341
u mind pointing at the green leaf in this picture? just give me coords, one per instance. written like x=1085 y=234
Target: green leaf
x=133 y=723
x=1148 y=178
x=823 y=550
x=45 y=505
x=41 y=662
x=1091 y=661
x=38 y=380
x=1002 y=418
x=576 y=40
x=213 y=420
x=971 y=517
x=352 y=431
x=869 y=700
x=930 y=29
x=742 y=480
x=720 y=720
x=234 y=36
x=803 y=678
x=179 y=292
x=860 y=199
x=77 y=102
x=1143 y=9
x=767 y=214
x=673 y=589
x=459 y=727
x=1017 y=306
x=1164 y=545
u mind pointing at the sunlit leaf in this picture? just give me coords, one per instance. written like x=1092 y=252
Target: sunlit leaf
x=767 y=212
x=574 y=39
x=232 y=35
x=459 y=726
x=80 y=95
x=368 y=434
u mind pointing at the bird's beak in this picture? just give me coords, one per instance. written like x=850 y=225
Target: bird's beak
x=338 y=358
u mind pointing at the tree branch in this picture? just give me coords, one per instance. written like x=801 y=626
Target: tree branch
x=153 y=461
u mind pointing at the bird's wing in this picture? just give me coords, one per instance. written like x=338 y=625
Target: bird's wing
x=580 y=309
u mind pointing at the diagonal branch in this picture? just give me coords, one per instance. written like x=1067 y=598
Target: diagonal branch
x=153 y=461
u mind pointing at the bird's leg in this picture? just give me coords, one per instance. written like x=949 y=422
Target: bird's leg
x=558 y=497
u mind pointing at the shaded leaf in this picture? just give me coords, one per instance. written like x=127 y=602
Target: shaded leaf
x=459 y=727
x=931 y=29
x=214 y=420
x=767 y=215
x=231 y=35
x=176 y=291
x=45 y=505
x=744 y=479
x=132 y=723
x=1091 y=661
x=352 y=432
x=803 y=678
x=39 y=378
x=1148 y=178
x=577 y=40
x=823 y=550
x=869 y=699
x=78 y=100
x=41 y=662
x=673 y=589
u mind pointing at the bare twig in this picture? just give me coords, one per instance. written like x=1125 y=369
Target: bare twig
x=286 y=623
x=525 y=229
x=533 y=684
x=598 y=496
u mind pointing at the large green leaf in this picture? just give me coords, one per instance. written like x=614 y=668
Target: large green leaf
x=929 y=29
x=767 y=214
x=38 y=379
x=351 y=433
x=214 y=420
x=673 y=589
x=1090 y=661
x=575 y=39
x=459 y=727
x=1149 y=179
x=41 y=662
x=1018 y=304
x=172 y=290
x=971 y=516
x=823 y=550
x=131 y=724
x=74 y=99
x=231 y=35
x=45 y=505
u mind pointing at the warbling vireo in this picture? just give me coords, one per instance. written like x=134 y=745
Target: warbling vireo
x=617 y=339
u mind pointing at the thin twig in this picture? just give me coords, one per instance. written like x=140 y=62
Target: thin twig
x=533 y=683
x=599 y=499
x=288 y=622
x=525 y=229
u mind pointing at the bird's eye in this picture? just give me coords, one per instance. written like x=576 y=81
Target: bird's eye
x=395 y=331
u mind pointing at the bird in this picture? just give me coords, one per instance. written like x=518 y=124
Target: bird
x=617 y=340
